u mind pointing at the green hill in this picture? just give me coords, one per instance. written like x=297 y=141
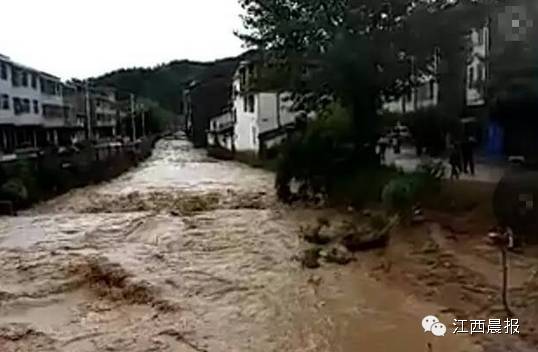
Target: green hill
x=162 y=84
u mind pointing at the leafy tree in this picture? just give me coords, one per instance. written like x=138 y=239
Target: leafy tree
x=352 y=52
x=356 y=50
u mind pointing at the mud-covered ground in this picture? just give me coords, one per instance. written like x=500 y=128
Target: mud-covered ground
x=189 y=254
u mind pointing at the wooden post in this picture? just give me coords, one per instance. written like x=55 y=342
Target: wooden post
x=504 y=261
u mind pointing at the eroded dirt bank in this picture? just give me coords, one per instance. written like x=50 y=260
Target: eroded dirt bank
x=189 y=254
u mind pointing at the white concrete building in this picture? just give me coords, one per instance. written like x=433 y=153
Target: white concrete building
x=262 y=119
x=477 y=71
x=221 y=131
x=32 y=108
x=425 y=94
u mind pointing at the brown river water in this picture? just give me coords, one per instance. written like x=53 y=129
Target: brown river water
x=185 y=253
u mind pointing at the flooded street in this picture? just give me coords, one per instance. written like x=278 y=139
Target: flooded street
x=185 y=253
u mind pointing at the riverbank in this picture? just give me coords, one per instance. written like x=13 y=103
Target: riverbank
x=448 y=262
x=31 y=179
x=186 y=253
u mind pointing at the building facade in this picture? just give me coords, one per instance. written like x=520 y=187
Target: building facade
x=262 y=118
x=477 y=74
x=38 y=110
x=33 y=112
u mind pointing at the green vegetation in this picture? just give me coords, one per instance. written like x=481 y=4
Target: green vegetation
x=26 y=182
x=339 y=58
x=162 y=84
x=161 y=88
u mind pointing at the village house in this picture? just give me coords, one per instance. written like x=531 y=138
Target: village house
x=207 y=99
x=37 y=110
x=263 y=118
x=33 y=112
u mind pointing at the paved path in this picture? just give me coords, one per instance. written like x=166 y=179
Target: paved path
x=485 y=170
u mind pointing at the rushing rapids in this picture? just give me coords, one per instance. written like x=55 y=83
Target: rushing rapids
x=187 y=253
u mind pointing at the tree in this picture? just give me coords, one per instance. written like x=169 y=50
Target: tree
x=355 y=50
x=351 y=52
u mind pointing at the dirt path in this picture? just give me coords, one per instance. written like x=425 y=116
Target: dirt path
x=189 y=254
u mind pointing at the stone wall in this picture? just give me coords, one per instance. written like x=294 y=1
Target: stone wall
x=30 y=180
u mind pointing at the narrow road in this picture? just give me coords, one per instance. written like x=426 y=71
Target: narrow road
x=186 y=253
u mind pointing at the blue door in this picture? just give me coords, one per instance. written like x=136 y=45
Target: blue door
x=495 y=139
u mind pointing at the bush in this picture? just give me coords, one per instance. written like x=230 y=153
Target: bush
x=404 y=191
x=362 y=187
x=14 y=190
x=398 y=195
x=319 y=157
x=435 y=170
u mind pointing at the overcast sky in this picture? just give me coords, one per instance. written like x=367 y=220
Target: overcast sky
x=82 y=38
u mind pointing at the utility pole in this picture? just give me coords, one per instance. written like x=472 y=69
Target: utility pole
x=143 y=122
x=413 y=83
x=88 y=111
x=133 y=122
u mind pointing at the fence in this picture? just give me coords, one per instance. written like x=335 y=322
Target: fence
x=37 y=178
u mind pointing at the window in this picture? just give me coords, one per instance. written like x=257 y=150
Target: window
x=17 y=106
x=243 y=78
x=34 y=81
x=3 y=71
x=471 y=77
x=26 y=106
x=251 y=103
x=481 y=72
x=36 y=107
x=480 y=34
x=24 y=79
x=15 y=77
x=432 y=89
x=4 y=102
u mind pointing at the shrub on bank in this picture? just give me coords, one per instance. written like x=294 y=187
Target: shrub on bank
x=14 y=191
x=405 y=190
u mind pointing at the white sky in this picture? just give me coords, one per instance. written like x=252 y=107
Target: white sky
x=82 y=38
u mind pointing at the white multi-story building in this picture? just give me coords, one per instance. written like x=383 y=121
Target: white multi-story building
x=32 y=108
x=262 y=119
x=424 y=94
x=477 y=70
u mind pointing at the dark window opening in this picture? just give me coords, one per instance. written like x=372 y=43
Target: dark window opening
x=25 y=79
x=3 y=71
x=4 y=102
x=34 y=81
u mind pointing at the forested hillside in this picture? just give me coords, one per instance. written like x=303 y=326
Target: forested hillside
x=162 y=84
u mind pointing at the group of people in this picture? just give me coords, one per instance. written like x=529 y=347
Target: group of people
x=461 y=157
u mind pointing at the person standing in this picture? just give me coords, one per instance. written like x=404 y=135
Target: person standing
x=455 y=161
x=382 y=145
x=468 y=155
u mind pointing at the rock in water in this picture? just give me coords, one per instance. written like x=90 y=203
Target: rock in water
x=338 y=254
x=366 y=240
x=310 y=258
x=363 y=242
x=319 y=235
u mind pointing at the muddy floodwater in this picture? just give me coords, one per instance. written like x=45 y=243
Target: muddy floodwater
x=186 y=253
